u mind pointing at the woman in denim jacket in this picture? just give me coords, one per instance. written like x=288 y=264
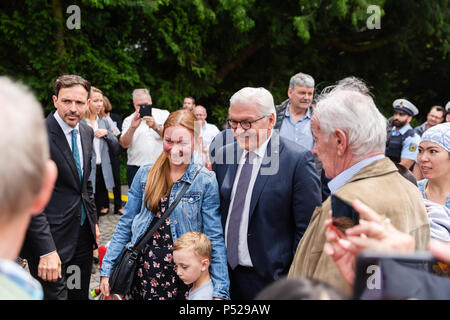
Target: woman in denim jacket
x=152 y=191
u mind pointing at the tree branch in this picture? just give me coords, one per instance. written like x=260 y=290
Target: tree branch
x=59 y=35
x=346 y=44
x=241 y=57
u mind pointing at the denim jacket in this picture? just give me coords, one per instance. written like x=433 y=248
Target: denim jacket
x=198 y=210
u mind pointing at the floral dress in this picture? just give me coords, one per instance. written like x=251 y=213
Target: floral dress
x=155 y=277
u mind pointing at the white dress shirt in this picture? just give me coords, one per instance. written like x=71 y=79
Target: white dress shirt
x=96 y=143
x=68 y=133
x=256 y=157
x=208 y=132
x=146 y=145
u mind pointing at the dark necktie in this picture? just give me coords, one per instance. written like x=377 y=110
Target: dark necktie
x=236 y=213
x=76 y=156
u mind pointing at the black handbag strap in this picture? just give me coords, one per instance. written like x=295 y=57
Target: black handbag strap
x=144 y=240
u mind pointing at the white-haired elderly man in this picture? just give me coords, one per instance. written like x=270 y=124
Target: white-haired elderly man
x=141 y=136
x=27 y=177
x=350 y=139
x=268 y=189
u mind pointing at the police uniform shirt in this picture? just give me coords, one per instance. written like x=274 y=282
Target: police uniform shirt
x=410 y=145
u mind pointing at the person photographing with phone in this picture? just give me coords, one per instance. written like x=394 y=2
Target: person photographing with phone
x=141 y=133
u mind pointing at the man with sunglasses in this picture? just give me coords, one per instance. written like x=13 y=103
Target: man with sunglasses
x=268 y=188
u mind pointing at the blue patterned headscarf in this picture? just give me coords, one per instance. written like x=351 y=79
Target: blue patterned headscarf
x=439 y=134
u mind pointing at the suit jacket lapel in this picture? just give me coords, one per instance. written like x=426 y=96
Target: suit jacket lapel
x=270 y=161
x=85 y=145
x=59 y=139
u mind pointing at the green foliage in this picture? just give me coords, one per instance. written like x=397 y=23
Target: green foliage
x=211 y=48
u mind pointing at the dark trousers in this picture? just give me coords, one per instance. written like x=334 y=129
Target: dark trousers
x=131 y=172
x=76 y=273
x=245 y=283
x=101 y=193
x=115 y=164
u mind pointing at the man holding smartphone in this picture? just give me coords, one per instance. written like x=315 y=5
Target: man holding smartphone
x=141 y=134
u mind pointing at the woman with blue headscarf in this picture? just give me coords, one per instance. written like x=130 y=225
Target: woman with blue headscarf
x=434 y=162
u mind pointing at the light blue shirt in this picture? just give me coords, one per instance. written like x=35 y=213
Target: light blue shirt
x=18 y=284
x=410 y=147
x=337 y=182
x=204 y=292
x=299 y=132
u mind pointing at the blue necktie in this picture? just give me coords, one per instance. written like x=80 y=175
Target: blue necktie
x=236 y=213
x=76 y=156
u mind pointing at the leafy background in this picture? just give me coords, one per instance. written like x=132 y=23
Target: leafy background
x=209 y=49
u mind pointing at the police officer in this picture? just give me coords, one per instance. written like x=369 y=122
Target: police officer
x=402 y=143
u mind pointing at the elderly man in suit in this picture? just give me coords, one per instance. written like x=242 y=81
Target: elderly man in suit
x=350 y=139
x=268 y=188
x=60 y=239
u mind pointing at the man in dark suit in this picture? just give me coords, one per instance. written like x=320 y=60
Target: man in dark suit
x=268 y=188
x=60 y=240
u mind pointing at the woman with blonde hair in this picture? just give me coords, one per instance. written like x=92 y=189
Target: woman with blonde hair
x=104 y=140
x=152 y=192
x=116 y=126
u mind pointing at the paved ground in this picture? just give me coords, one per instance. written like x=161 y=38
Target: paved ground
x=107 y=225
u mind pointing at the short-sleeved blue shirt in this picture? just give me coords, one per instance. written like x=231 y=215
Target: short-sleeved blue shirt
x=410 y=147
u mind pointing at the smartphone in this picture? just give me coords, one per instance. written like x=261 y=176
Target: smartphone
x=145 y=110
x=398 y=276
x=343 y=214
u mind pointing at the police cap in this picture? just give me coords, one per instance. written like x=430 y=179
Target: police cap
x=403 y=105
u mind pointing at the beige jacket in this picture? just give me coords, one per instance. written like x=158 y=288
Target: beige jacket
x=381 y=187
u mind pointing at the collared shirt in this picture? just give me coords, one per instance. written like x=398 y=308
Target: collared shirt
x=342 y=178
x=299 y=132
x=17 y=284
x=146 y=145
x=98 y=159
x=256 y=157
x=208 y=133
x=410 y=147
x=421 y=129
x=68 y=133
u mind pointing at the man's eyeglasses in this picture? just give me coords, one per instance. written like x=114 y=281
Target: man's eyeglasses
x=245 y=124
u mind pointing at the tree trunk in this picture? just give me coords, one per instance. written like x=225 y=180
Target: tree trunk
x=59 y=34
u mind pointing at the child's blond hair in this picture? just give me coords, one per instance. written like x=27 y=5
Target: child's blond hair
x=196 y=241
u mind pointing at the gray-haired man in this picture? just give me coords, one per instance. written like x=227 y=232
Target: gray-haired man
x=142 y=139
x=294 y=114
